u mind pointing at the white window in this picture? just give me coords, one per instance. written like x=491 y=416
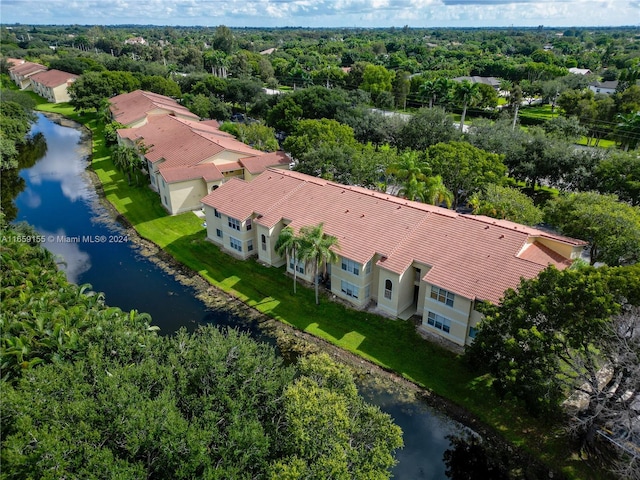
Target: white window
x=388 y=289
x=263 y=241
x=367 y=267
x=349 y=289
x=442 y=295
x=439 y=322
x=218 y=233
x=473 y=332
x=249 y=245
x=217 y=213
x=299 y=266
x=234 y=223
x=367 y=291
x=249 y=224
x=235 y=244
x=350 y=266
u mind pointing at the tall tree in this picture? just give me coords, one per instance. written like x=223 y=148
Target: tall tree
x=464 y=168
x=573 y=333
x=427 y=127
x=465 y=94
x=317 y=249
x=505 y=202
x=288 y=246
x=611 y=227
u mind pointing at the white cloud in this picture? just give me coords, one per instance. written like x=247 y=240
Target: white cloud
x=327 y=13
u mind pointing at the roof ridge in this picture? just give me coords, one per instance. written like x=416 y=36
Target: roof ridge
x=409 y=234
x=291 y=192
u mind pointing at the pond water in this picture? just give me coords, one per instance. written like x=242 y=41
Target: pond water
x=61 y=203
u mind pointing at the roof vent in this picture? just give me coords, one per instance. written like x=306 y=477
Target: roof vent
x=346 y=211
x=399 y=206
x=501 y=236
x=362 y=216
x=487 y=227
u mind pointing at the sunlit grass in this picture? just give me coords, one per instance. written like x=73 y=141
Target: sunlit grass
x=392 y=344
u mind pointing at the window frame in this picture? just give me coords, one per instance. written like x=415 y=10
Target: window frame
x=438 y=322
x=443 y=296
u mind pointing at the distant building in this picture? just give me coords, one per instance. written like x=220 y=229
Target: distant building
x=135 y=41
x=580 y=71
x=491 y=81
x=268 y=51
x=133 y=109
x=607 y=87
x=53 y=84
x=22 y=72
x=397 y=257
x=186 y=159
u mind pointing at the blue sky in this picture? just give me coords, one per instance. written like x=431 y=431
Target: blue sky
x=325 y=13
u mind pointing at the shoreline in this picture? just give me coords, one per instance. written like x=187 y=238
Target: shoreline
x=291 y=341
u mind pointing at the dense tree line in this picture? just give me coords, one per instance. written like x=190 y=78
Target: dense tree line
x=90 y=390
x=567 y=345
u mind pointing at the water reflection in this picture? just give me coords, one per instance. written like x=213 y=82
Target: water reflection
x=63 y=165
x=59 y=201
x=427 y=434
x=72 y=260
x=11 y=183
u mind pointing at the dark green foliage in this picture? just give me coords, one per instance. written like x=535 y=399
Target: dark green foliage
x=611 y=227
x=550 y=335
x=428 y=127
x=90 y=391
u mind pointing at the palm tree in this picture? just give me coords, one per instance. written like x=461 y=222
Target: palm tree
x=127 y=160
x=436 y=192
x=288 y=245
x=465 y=93
x=428 y=90
x=443 y=88
x=627 y=130
x=410 y=171
x=318 y=249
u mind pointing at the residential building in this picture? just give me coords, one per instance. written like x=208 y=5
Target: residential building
x=52 y=85
x=580 y=71
x=607 y=87
x=187 y=159
x=135 y=41
x=133 y=109
x=22 y=72
x=491 y=81
x=398 y=257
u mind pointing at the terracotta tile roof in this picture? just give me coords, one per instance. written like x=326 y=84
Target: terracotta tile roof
x=134 y=106
x=184 y=144
x=27 y=68
x=53 y=78
x=260 y=163
x=207 y=171
x=473 y=256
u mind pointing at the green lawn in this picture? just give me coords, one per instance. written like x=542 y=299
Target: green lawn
x=391 y=344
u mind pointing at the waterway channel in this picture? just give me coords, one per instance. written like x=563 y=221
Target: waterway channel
x=60 y=201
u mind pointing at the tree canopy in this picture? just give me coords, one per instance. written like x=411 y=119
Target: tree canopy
x=611 y=227
x=89 y=391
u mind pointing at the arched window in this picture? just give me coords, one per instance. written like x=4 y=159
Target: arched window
x=388 y=288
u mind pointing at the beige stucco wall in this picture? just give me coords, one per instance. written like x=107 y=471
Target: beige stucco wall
x=458 y=315
x=268 y=255
x=362 y=280
x=246 y=238
x=390 y=306
x=61 y=94
x=186 y=195
x=564 y=249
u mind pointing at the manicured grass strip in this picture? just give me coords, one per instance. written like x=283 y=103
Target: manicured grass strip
x=392 y=344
